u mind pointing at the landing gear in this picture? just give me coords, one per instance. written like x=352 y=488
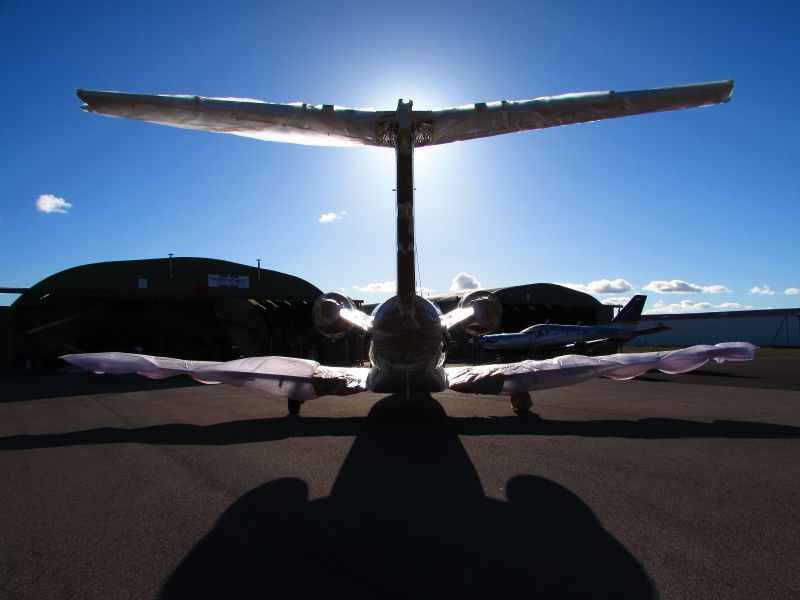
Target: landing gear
x=521 y=403
x=294 y=407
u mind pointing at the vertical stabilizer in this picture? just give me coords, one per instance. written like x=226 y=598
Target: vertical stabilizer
x=406 y=273
x=631 y=311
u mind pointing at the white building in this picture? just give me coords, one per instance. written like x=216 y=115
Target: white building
x=778 y=327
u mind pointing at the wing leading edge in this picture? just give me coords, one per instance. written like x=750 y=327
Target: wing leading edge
x=329 y=125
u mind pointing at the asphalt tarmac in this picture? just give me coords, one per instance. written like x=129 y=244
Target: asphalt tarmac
x=669 y=486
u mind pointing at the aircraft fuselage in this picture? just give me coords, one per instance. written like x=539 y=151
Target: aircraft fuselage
x=407 y=350
x=546 y=336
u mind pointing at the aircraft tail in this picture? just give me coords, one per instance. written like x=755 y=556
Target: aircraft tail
x=631 y=311
x=329 y=125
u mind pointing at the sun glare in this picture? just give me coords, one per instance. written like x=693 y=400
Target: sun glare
x=426 y=93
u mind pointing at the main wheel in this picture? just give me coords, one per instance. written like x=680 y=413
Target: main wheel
x=294 y=407
x=521 y=403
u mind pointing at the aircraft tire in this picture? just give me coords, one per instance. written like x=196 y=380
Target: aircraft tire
x=521 y=403
x=294 y=407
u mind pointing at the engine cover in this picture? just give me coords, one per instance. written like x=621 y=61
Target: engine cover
x=325 y=315
x=487 y=312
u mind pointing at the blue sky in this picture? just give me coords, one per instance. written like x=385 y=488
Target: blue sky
x=703 y=200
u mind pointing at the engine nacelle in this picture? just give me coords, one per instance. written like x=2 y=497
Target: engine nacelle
x=325 y=315
x=487 y=311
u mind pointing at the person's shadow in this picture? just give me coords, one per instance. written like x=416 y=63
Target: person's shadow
x=408 y=518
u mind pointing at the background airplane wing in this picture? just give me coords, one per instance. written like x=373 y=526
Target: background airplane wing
x=287 y=377
x=495 y=118
x=297 y=123
x=531 y=375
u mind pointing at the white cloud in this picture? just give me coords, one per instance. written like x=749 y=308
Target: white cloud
x=690 y=306
x=792 y=291
x=678 y=286
x=716 y=289
x=678 y=307
x=605 y=286
x=763 y=290
x=464 y=281
x=602 y=286
x=47 y=203
x=616 y=301
x=675 y=286
x=387 y=287
x=332 y=216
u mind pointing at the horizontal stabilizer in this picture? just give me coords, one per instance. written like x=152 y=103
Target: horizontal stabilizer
x=650 y=330
x=297 y=123
x=329 y=125
x=495 y=118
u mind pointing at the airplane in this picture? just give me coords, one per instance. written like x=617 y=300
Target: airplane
x=549 y=338
x=408 y=332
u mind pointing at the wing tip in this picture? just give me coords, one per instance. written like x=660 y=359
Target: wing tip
x=727 y=89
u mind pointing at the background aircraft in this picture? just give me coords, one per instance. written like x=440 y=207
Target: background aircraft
x=407 y=348
x=550 y=338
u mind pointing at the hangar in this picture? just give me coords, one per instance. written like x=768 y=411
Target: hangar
x=209 y=309
x=195 y=308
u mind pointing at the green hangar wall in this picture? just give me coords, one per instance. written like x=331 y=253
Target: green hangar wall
x=195 y=308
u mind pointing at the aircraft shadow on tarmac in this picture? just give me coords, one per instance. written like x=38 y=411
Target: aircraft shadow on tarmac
x=700 y=377
x=270 y=429
x=407 y=518
x=21 y=389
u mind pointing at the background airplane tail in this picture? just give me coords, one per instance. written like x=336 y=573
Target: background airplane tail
x=631 y=311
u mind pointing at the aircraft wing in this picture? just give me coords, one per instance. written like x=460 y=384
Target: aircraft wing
x=294 y=378
x=531 y=375
x=329 y=125
x=495 y=118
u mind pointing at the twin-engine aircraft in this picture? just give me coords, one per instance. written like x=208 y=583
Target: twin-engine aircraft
x=407 y=348
x=550 y=338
